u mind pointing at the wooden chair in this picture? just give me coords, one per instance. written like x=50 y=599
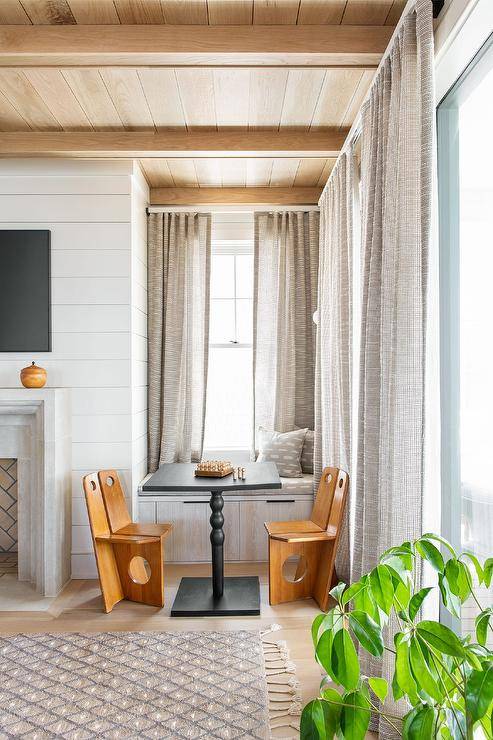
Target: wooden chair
x=314 y=542
x=117 y=512
x=130 y=563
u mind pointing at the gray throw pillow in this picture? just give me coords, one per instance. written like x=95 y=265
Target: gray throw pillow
x=284 y=449
x=307 y=452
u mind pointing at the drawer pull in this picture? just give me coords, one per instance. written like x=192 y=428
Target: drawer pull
x=279 y=501
x=195 y=502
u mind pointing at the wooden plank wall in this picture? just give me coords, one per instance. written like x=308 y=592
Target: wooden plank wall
x=98 y=312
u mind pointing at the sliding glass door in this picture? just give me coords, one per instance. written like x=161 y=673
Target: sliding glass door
x=465 y=126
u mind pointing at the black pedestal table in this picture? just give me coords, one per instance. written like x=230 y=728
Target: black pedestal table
x=216 y=596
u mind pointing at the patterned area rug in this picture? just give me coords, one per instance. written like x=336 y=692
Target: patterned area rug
x=136 y=685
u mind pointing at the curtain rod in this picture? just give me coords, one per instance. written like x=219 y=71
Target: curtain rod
x=225 y=208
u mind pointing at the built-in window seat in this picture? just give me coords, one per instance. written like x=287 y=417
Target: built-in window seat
x=244 y=517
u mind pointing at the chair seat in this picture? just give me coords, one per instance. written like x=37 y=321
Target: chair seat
x=145 y=530
x=293 y=526
x=126 y=539
x=303 y=537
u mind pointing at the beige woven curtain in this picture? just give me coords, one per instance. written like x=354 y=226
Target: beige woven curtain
x=333 y=368
x=179 y=254
x=285 y=298
x=397 y=169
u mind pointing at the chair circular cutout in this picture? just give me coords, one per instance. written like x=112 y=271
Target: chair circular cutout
x=93 y=485
x=109 y=481
x=328 y=478
x=294 y=568
x=341 y=483
x=139 y=570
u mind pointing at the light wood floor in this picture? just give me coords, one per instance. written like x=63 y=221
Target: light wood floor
x=79 y=609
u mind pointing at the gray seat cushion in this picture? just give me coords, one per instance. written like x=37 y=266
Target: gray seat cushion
x=297 y=485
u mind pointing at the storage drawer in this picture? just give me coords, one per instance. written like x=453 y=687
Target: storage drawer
x=253 y=514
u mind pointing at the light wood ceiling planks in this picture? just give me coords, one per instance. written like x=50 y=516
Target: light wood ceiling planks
x=201 y=12
x=151 y=98
x=235 y=172
x=156 y=99
x=114 y=99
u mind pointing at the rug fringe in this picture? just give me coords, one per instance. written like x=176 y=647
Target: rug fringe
x=283 y=688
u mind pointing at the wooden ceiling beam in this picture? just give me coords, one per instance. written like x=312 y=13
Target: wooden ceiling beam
x=164 y=45
x=235 y=196
x=174 y=143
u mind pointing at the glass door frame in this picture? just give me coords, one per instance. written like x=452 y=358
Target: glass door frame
x=449 y=286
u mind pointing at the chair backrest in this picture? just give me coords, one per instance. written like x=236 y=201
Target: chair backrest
x=96 y=509
x=114 y=499
x=330 y=499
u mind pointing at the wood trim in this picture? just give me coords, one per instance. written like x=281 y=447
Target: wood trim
x=223 y=143
x=150 y=45
x=234 y=196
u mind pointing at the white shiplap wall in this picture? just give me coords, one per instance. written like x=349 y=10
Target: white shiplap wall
x=138 y=337
x=96 y=213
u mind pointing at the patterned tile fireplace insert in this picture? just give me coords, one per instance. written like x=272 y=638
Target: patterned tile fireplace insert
x=8 y=505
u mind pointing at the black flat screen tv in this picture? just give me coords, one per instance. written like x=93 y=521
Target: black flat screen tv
x=25 y=300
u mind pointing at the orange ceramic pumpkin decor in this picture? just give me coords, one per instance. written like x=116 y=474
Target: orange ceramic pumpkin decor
x=33 y=376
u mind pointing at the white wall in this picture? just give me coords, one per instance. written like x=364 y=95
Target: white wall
x=138 y=337
x=96 y=213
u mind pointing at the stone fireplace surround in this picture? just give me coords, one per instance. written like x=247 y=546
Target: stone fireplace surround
x=35 y=429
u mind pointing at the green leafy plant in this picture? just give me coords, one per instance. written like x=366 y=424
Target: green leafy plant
x=446 y=680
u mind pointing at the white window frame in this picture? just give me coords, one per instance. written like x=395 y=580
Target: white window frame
x=229 y=239
x=460 y=38
x=231 y=250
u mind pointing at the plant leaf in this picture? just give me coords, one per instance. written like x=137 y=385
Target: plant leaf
x=403 y=675
x=421 y=670
x=488 y=571
x=458 y=578
x=315 y=628
x=401 y=563
x=323 y=622
x=355 y=718
x=449 y=599
x=418 y=723
x=353 y=591
x=334 y=700
x=367 y=632
x=482 y=623
x=364 y=601
x=476 y=563
x=417 y=600
x=318 y=721
x=431 y=554
x=441 y=540
x=479 y=691
x=440 y=637
x=382 y=587
x=337 y=591
x=473 y=659
x=323 y=653
x=344 y=659
x=380 y=687
x=402 y=594
x=397 y=692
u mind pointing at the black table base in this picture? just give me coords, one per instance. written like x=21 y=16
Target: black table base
x=195 y=598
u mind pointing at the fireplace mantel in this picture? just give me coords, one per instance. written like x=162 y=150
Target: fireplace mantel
x=35 y=429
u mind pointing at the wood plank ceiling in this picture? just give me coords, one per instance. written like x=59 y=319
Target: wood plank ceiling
x=158 y=98
x=202 y=12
